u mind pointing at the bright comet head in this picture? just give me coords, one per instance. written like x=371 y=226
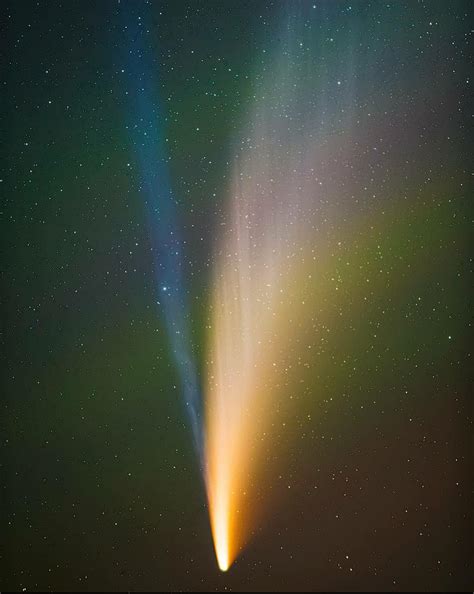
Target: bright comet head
x=222 y=558
x=221 y=537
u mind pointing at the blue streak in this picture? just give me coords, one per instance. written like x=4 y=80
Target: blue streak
x=146 y=127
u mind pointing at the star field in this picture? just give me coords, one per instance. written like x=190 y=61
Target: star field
x=339 y=134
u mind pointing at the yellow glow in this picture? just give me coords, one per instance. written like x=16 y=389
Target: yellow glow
x=255 y=313
x=258 y=307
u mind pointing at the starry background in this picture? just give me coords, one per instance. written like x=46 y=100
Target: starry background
x=100 y=488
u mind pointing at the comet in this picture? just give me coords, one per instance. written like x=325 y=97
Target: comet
x=262 y=262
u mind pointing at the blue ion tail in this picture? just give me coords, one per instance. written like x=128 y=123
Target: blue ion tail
x=145 y=126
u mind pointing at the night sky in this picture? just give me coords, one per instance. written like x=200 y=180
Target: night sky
x=285 y=186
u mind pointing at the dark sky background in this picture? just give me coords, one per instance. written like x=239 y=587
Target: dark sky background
x=100 y=487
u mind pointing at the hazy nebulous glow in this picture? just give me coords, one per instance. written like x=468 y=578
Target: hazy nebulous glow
x=146 y=131
x=265 y=250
